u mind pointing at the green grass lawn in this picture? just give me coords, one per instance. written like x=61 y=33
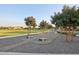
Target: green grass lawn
x=17 y=32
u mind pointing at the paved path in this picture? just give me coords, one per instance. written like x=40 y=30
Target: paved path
x=58 y=45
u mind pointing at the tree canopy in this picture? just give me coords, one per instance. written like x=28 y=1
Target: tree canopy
x=69 y=16
x=30 y=21
x=45 y=25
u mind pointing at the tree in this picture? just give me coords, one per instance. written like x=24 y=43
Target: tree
x=30 y=22
x=68 y=19
x=49 y=26
x=43 y=24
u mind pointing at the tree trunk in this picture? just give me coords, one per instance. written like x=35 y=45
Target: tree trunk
x=70 y=34
x=66 y=34
x=29 y=31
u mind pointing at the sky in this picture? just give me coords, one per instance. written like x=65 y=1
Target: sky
x=14 y=14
